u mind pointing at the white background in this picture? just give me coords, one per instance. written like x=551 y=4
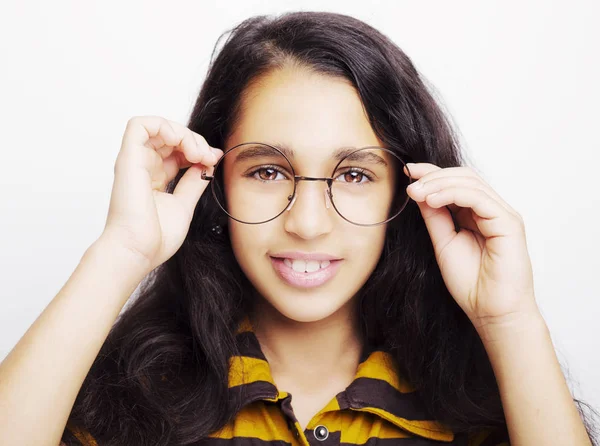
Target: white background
x=520 y=80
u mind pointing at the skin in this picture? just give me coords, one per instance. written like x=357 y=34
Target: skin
x=314 y=115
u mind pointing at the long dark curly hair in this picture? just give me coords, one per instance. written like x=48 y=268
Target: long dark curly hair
x=161 y=375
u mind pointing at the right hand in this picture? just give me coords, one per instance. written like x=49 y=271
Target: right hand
x=142 y=217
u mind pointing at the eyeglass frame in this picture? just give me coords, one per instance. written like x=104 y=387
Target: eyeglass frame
x=298 y=178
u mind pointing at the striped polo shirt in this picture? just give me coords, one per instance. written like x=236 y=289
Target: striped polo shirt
x=378 y=408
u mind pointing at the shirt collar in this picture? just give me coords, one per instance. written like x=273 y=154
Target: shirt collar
x=376 y=388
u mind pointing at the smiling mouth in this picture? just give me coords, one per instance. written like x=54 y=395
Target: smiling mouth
x=305 y=273
x=306 y=266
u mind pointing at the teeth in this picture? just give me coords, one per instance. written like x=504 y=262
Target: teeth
x=299 y=266
x=312 y=266
x=309 y=266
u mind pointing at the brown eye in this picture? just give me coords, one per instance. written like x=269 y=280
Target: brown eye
x=354 y=176
x=351 y=177
x=267 y=174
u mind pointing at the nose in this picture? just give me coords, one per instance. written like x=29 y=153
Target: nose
x=310 y=213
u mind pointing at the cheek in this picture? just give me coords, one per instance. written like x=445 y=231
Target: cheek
x=248 y=241
x=366 y=244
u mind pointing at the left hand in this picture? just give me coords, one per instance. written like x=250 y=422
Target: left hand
x=486 y=265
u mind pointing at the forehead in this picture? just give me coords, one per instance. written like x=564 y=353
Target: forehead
x=313 y=115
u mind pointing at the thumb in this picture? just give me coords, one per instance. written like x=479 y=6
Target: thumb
x=439 y=224
x=191 y=186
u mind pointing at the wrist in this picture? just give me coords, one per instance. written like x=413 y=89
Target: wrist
x=107 y=249
x=510 y=327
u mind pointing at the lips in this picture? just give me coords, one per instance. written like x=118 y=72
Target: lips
x=296 y=255
x=289 y=271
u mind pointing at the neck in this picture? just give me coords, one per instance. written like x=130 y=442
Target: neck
x=303 y=355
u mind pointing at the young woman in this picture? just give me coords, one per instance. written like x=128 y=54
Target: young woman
x=310 y=296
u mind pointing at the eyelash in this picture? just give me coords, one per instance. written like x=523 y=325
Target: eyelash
x=276 y=168
x=361 y=171
x=279 y=170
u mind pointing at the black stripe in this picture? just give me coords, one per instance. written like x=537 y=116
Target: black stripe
x=499 y=435
x=242 y=441
x=248 y=345
x=373 y=392
x=408 y=441
x=342 y=399
x=286 y=408
x=254 y=391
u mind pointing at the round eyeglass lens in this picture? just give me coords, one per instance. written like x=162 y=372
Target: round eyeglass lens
x=364 y=188
x=254 y=183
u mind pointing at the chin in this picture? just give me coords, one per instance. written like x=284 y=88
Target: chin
x=305 y=308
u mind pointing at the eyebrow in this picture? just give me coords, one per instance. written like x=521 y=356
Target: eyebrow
x=338 y=154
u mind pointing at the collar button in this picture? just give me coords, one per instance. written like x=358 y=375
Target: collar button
x=321 y=433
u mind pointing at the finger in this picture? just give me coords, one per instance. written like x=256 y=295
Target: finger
x=165 y=136
x=191 y=186
x=418 y=190
x=490 y=216
x=439 y=224
x=201 y=141
x=209 y=155
x=176 y=161
x=173 y=164
x=407 y=170
x=464 y=218
x=426 y=172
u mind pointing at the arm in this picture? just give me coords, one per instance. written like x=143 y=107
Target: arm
x=537 y=403
x=43 y=373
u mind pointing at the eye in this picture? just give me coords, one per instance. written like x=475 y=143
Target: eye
x=267 y=174
x=355 y=176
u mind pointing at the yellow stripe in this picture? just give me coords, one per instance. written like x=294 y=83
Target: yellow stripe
x=358 y=430
x=245 y=370
x=427 y=428
x=381 y=365
x=82 y=435
x=475 y=439
x=331 y=406
x=244 y=325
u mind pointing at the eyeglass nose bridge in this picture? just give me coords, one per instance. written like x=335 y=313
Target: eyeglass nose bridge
x=328 y=194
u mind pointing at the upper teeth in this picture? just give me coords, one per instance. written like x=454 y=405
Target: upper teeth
x=303 y=266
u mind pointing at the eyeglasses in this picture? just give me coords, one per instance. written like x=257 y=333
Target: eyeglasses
x=255 y=183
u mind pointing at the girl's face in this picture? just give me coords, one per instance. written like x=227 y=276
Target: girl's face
x=313 y=115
